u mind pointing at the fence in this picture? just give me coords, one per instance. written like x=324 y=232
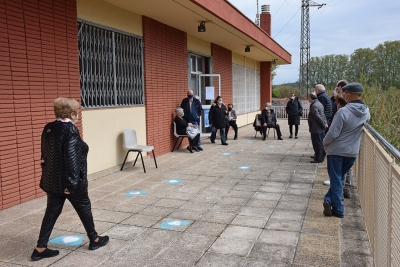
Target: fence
x=280 y=112
x=378 y=183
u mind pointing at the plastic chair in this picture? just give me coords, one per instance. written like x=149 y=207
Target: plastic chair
x=130 y=144
x=178 y=137
x=268 y=131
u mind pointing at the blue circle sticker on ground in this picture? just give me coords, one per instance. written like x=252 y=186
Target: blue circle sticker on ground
x=244 y=167
x=227 y=154
x=249 y=142
x=174 y=181
x=271 y=146
x=173 y=224
x=134 y=193
x=70 y=240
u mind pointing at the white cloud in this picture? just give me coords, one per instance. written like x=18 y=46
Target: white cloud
x=340 y=27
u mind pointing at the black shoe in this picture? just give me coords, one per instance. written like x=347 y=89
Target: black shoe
x=337 y=215
x=296 y=137
x=224 y=144
x=235 y=138
x=195 y=149
x=103 y=240
x=47 y=253
x=312 y=157
x=280 y=138
x=315 y=161
x=190 y=150
x=291 y=136
x=263 y=138
x=327 y=208
x=199 y=148
x=212 y=141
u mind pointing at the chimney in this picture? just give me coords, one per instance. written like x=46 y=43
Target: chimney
x=265 y=19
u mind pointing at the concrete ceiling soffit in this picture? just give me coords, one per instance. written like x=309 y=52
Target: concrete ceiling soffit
x=225 y=25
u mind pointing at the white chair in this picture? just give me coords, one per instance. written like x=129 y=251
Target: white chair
x=178 y=137
x=130 y=144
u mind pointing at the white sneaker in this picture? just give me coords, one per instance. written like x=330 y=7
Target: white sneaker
x=327 y=182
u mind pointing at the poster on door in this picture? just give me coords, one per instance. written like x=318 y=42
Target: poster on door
x=209 y=92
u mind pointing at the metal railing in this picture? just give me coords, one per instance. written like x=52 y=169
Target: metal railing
x=280 y=112
x=378 y=183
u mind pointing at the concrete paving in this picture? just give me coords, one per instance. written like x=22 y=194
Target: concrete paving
x=251 y=203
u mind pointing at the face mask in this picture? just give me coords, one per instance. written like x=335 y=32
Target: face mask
x=266 y=108
x=345 y=98
x=292 y=97
x=229 y=109
x=190 y=96
x=220 y=102
x=182 y=114
x=76 y=120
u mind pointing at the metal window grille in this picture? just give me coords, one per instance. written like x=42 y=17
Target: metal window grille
x=246 y=89
x=111 y=67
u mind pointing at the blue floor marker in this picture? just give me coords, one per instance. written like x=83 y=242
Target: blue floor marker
x=173 y=224
x=249 y=142
x=70 y=240
x=135 y=193
x=271 y=146
x=244 y=168
x=227 y=154
x=174 y=181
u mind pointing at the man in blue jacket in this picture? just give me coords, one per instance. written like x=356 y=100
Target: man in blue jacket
x=192 y=108
x=342 y=145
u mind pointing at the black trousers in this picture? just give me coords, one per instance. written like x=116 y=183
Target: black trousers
x=296 y=129
x=316 y=139
x=193 y=142
x=277 y=128
x=221 y=132
x=55 y=203
x=234 y=126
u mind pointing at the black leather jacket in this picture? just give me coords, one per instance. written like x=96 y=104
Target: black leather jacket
x=64 y=154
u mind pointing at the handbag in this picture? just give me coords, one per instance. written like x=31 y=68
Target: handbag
x=191 y=131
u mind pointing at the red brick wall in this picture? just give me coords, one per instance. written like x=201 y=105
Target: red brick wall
x=265 y=83
x=166 y=80
x=222 y=64
x=39 y=62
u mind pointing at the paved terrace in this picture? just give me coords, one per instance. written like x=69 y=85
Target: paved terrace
x=218 y=215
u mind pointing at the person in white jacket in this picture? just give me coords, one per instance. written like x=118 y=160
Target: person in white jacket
x=342 y=145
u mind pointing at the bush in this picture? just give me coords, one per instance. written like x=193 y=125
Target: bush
x=284 y=91
x=275 y=92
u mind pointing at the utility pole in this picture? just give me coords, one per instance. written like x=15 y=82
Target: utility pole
x=257 y=21
x=304 y=79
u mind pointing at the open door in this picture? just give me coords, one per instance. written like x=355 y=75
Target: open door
x=209 y=88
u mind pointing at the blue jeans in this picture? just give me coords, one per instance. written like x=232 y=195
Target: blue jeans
x=198 y=127
x=338 y=166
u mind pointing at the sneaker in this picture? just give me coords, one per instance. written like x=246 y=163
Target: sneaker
x=201 y=149
x=103 y=240
x=47 y=253
x=327 y=182
x=327 y=208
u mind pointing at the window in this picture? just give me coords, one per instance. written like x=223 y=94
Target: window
x=111 y=67
x=246 y=89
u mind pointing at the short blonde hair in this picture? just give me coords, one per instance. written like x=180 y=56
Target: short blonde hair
x=64 y=107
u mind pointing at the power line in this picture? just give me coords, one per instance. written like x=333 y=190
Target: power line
x=299 y=28
x=287 y=22
x=274 y=16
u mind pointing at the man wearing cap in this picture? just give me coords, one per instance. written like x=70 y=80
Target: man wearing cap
x=342 y=145
x=316 y=125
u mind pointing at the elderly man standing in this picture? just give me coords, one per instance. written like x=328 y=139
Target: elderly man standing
x=316 y=125
x=192 y=109
x=325 y=101
x=342 y=145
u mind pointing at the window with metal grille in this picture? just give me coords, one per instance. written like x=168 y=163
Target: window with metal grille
x=111 y=67
x=246 y=89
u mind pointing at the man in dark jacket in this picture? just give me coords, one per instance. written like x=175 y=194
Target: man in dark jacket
x=316 y=125
x=192 y=109
x=268 y=120
x=294 y=110
x=217 y=119
x=324 y=99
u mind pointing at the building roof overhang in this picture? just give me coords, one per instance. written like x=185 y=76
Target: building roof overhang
x=226 y=26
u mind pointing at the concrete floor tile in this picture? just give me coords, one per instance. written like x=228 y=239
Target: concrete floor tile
x=113 y=216
x=353 y=246
x=206 y=228
x=226 y=208
x=294 y=198
x=298 y=206
x=317 y=257
x=241 y=232
x=100 y=226
x=283 y=224
x=210 y=259
x=240 y=194
x=267 y=196
x=357 y=260
x=156 y=236
x=284 y=238
x=194 y=241
x=249 y=221
x=129 y=207
x=217 y=217
x=271 y=204
x=156 y=211
x=237 y=247
x=81 y=259
x=184 y=214
x=273 y=253
x=125 y=232
x=319 y=228
x=292 y=215
x=263 y=263
x=256 y=212
x=322 y=242
x=232 y=201
x=173 y=256
x=25 y=259
x=197 y=206
x=142 y=220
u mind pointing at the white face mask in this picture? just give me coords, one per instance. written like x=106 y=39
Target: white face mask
x=76 y=120
x=292 y=97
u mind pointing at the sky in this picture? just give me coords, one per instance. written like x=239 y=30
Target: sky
x=339 y=27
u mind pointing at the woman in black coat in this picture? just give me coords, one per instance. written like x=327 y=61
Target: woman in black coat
x=181 y=127
x=294 y=111
x=268 y=120
x=217 y=118
x=64 y=176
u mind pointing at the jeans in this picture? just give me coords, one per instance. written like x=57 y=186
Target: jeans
x=222 y=134
x=55 y=203
x=338 y=166
x=198 y=127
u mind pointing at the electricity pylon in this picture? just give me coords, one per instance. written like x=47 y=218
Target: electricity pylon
x=304 y=79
